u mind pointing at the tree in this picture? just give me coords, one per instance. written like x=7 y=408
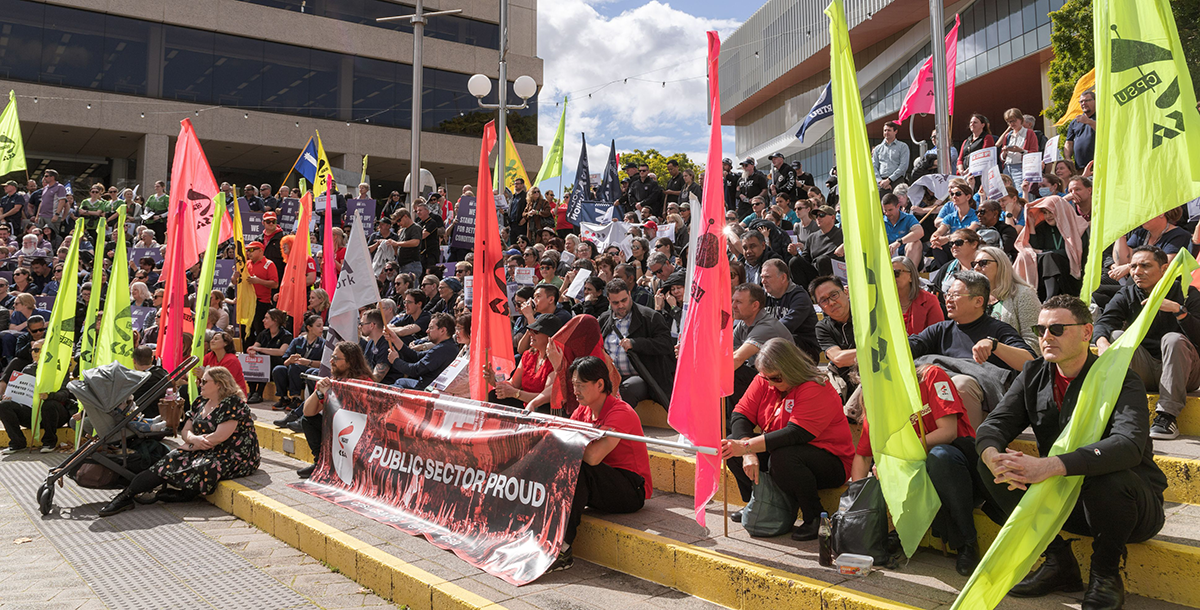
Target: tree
x=1074 y=53
x=658 y=163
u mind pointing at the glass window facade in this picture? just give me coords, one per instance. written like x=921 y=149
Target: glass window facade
x=81 y=49
x=446 y=27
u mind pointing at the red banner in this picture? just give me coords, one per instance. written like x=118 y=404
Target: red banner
x=491 y=484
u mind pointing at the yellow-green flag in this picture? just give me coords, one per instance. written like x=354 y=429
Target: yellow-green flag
x=1147 y=127
x=12 y=147
x=1045 y=506
x=513 y=167
x=115 y=342
x=889 y=379
x=364 y=174
x=87 y=346
x=55 y=360
x=204 y=289
x=552 y=166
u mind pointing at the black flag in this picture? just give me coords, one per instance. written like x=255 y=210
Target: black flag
x=583 y=184
x=610 y=182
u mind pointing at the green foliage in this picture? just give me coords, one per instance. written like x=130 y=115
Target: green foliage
x=1074 y=54
x=658 y=163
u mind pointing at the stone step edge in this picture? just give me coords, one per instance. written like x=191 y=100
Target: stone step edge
x=387 y=576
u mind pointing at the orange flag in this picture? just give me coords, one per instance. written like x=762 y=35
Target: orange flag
x=293 y=288
x=491 y=327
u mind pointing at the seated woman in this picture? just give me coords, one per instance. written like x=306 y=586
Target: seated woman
x=963 y=244
x=528 y=387
x=955 y=215
x=615 y=474
x=318 y=302
x=594 y=301
x=219 y=443
x=1013 y=301
x=668 y=301
x=219 y=352
x=951 y=462
x=921 y=309
x=1052 y=247
x=272 y=341
x=302 y=354
x=805 y=443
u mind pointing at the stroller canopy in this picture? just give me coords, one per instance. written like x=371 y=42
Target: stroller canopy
x=105 y=388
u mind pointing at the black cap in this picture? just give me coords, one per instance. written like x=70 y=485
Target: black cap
x=547 y=324
x=675 y=279
x=629 y=165
x=796 y=164
x=748 y=161
x=727 y=160
x=775 y=155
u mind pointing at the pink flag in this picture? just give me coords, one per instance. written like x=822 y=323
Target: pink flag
x=921 y=97
x=705 y=370
x=171 y=325
x=192 y=189
x=328 y=248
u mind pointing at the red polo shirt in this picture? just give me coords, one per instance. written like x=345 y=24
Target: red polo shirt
x=263 y=270
x=939 y=398
x=618 y=416
x=813 y=406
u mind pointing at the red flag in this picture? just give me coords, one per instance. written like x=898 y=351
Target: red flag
x=705 y=370
x=921 y=96
x=329 y=249
x=192 y=189
x=491 y=327
x=171 y=326
x=293 y=288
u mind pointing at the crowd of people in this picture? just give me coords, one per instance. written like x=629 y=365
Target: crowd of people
x=986 y=285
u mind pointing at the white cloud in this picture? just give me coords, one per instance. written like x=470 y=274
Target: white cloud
x=585 y=51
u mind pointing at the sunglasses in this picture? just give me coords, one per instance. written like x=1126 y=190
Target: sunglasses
x=773 y=378
x=957 y=193
x=38 y=330
x=1055 y=329
x=268 y=222
x=897 y=272
x=959 y=242
x=982 y=264
x=819 y=214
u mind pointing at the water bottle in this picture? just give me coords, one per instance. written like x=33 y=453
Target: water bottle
x=171 y=395
x=824 y=542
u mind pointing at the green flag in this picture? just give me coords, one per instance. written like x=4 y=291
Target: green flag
x=87 y=346
x=55 y=360
x=12 y=147
x=889 y=379
x=1147 y=127
x=204 y=289
x=1045 y=506
x=552 y=166
x=115 y=342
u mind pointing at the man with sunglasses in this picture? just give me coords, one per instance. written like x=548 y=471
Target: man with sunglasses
x=1121 y=500
x=819 y=250
x=981 y=353
x=272 y=240
x=904 y=231
x=1167 y=358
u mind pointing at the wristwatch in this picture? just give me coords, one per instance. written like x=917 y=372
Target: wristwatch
x=321 y=396
x=994 y=342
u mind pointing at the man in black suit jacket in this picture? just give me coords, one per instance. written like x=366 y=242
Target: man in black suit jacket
x=638 y=339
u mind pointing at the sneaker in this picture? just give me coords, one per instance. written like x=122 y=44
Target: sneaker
x=1164 y=427
x=306 y=472
x=47 y=449
x=292 y=416
x=255 y=398
x=563 y=561
x=11 y=450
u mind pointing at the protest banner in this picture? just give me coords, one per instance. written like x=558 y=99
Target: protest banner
x=525 y=276
x=138 y=253
x=140 y=315
x=981 y=160
x=20 y=388
x=44 y=301
x=255 y=368
x=1031 y=168
x=994 y=184
x=366 y=207
x=289 y=213
x=463 y=235
x=493 y=486
x=223 y=273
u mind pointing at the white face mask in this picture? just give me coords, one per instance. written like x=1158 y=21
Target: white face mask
x=1045 y=191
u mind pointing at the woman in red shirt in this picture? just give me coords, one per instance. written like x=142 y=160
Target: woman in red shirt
x=219 y=352
x=921 y=309
x=951 y=462
x=615 y=474
x=527 y=387
x=805 y=443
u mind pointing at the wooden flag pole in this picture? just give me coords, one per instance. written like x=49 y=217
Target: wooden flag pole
x=298 y=157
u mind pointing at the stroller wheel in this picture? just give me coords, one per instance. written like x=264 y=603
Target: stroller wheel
x=45 y=496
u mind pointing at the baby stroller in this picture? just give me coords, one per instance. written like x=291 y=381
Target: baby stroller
x=106 y=394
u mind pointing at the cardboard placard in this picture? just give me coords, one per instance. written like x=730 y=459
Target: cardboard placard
x=981 y=160
x=44 y=302
x=469 y=290
x=137 y=254
x=576 y=287
x=463 y=235
x=525 y=276
x=255 y=368
x=1031 y=168
x=289 y=214
x=839 y=270
x=667 y=232
x=20 y=388
x=223 y=273
x=1052 y=154
x=451 y=373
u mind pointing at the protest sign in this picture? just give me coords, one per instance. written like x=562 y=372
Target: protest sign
x=667 y=231
x=576 y=287
x=251 y=221
x=525 y=276
x=255 y=368
x=981 y=160
x=20 y=389
x=44 y=301
x=451 y=373
x=138 y=253
x=223 y=273
x=469 y=290
x=139 y=315
x=366 y=207
x=1052 y=154
x=289 y=215
x=463 y=235
x=995 y=189
x=492 y=485
x=1031 y=168
x=839 y=270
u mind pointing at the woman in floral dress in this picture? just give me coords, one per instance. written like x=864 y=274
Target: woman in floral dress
x=219 y=443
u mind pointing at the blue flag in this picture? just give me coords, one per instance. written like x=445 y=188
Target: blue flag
x=306 y=165
x=583 y=185
x=821 y=110
x=597 y=212
x=610 y=182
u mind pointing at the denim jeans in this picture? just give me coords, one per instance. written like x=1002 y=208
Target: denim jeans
x=951 y=473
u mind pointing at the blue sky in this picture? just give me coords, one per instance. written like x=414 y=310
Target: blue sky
x=620 y=53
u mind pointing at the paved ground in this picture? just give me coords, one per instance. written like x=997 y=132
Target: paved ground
x=178 y=556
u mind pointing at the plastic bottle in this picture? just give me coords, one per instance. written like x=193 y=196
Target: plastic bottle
x=825 y=542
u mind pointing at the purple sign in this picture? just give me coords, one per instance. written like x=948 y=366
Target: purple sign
x=140 y=315
x=289 y=214
x=137 y=254
x=367 y=207
x=223 y=273
x=463 y=235
x=251 y=221
x=44 y=302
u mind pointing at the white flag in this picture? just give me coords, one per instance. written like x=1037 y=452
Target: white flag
x=356 y=288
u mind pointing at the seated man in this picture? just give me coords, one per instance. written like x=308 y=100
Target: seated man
x=347 y=362
x=791 y=305
x=54 y=414
x=35 y=330
x=835 y=336
x=615 y=474
x=904 y=231
x=639 y=341
x=302 y=354
x=970 y=335
x=414 y=322
x=1122 y=496
x=418 y=369
x=1167 y=358
x=753 y=326
x=375 y=347
x=820 y=249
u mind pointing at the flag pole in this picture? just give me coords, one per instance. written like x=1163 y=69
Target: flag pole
x=724 y=479
x=298 y=157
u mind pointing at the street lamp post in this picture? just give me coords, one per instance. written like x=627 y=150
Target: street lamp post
x=480 y=86
x=417 y=20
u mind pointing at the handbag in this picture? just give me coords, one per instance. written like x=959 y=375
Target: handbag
x=860 y=525
x=770 y=512
x=172 y=413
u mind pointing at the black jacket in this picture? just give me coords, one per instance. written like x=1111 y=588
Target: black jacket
x=795 y=310
x=1124 y=445
x=653 y=351
x=1125 y=306
x=427 y=365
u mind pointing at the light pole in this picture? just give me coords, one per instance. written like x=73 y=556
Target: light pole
x=480 y=86
x=417 y=20
x=941 y=91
